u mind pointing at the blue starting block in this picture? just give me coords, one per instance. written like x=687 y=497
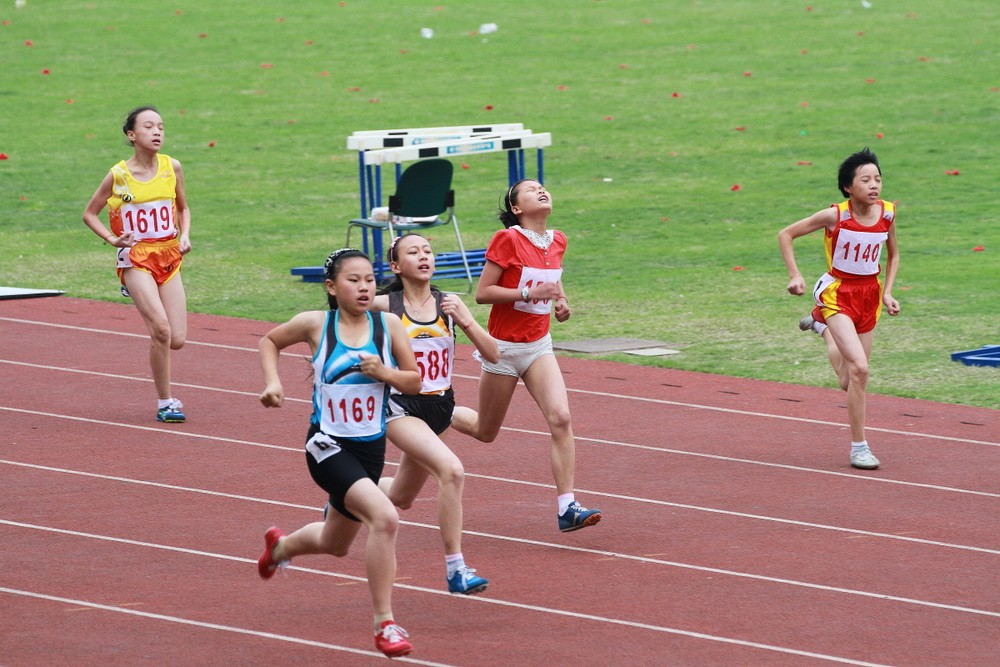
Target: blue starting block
x=446 y=265
x=988 y=355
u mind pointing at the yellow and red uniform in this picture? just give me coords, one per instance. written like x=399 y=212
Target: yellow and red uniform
x=148 y=210
x=851 y=285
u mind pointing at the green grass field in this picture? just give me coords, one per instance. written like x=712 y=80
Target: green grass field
x=657 y=111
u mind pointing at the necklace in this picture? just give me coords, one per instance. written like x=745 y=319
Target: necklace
x=542 y=241
x=416 y=309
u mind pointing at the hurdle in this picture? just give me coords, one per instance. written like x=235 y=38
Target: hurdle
x=378 y=148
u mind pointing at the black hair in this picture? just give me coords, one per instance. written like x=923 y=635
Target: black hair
x=505 y=214
x=395 y=284
x=133 y=114
x=331 y=267
x=850 y=166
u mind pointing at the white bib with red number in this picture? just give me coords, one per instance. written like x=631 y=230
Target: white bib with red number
x=352 y=410
x=858 y=252
x=434 y=361
x=151 y=221
x=531 y=276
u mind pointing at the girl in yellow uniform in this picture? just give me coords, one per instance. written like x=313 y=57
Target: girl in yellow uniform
x=150 y=226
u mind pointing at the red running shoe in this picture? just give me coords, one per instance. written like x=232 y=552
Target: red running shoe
x=266 y=565
x=391 y=640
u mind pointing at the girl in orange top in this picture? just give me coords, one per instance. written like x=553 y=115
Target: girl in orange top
x=150 y=226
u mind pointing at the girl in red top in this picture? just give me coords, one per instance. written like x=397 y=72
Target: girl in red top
x=850 y=296
x=522 y=280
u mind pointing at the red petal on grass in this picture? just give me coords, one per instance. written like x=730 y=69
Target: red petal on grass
x=809 y=8
x=28 y=42
x=5 y=22
x=803 y=163
x=803 y=104
x=609 y=118
x=374 y=100
x=266 y=65
x=403 y=52
x=46 y=71
x=562 y=87
x=4 y=156
x=354 y=89
x=664 y=219
x=465 y=165
x=804 y=51
x=675 y=94
x=488 y=107
x=737 y=268
x=292 y=121
x=202 y=35
x=211 y=144
x=622 y=66
x=747 y=73
x=280 y=20
x=924 y=59
x=178 y=12
x=309 y=42
x=736 y=187
x=879 y=135
x=978 y=248
x=646 y=21
x=740 y=128
x=869 y=80
x=861 y=33
x=69 y=101
x=951 y=172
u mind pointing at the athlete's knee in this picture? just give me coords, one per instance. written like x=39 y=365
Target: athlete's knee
x=159 y=334
x=451 y=475
x=559 y=420
x=177 y=341
x=385 y=523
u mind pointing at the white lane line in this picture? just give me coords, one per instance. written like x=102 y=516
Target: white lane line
x=473 y=600
x=209 y=626
x=650 y=501
x=662 y=450
x=583 y=550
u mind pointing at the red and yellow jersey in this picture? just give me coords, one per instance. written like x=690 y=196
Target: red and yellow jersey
x=524 y=265
x=145 y=208
x=853 y=250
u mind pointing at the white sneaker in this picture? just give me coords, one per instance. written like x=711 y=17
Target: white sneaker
x=864 y=460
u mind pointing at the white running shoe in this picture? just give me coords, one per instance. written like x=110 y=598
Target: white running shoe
x=864 y=460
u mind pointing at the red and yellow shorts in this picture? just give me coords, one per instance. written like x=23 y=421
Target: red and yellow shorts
x=160 y=259
x=858 y=298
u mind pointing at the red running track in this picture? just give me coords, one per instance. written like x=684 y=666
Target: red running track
x=734 y=533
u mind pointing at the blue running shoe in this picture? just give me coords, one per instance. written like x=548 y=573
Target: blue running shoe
x=172 y=413
x=465 y=581
x=577 y=516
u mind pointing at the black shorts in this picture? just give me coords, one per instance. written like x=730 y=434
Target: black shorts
x=338 y=472
x=435 y=410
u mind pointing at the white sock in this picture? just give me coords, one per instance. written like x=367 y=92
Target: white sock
x=565 y=500
x=858 y=447
x=819 y=327
x=453 y=562
x=163 y=403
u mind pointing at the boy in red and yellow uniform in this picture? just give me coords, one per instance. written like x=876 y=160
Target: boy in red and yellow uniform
x=849 y=296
